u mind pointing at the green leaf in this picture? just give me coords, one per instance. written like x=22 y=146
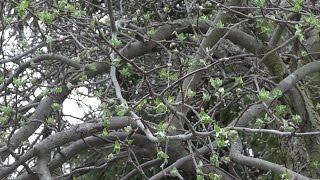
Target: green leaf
x=239 y=80
x=105 y=132
x=45 y=92
x=161 y=131
x=190 y=62
x=18 y=82
x=146 y=16
x=318 y=106
x=297 y=5
x=276 y=93
x=219 y=24
x=206 y=96
x=313 y=20
x=122 y=109
x=70 y=8
x=204 y=18
x=264 y=95
x=1 y=80
x=296 y=119
x=161 y=108
x=217 y=129
x=171 y=99
x=286 y=126
x=57 y=90
x=3 y=119
x=117 y=146
x=264 y=26
x=22 y=7
x=115 y=42
x=233 y=135
x=220 y=92
x=166 y=9
x=162 y=135
x=151 y=32
x=315 y=164
x=173 y=76
x=286 y=175
x=214 y=176
x=141 y=104
x=55 y=106
x=6 y=110
x=110 y=156
x=116 y=62
x=191 y=93
x=69 y=85
x=174 y=172
x=205 y=118
x=128 y=129
x=221 y=142
x=129 y=141
x=181 y=37
x=299 y=32
x=126 y=72
x=50 y=120
x=259 y=123
x=106 y=122
x=215 y=82
x=163 y=74
x=280 y=110
x=83 y=78
x=162 y=155
x=134 y=19
x=77 y=13
x=200 y=177
x=3 y=135
x=260 y=3
x=214 y=160
x=62 y=4
x=46 y=17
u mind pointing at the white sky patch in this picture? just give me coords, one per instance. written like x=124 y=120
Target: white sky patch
x=251 y=152
x=79 y=109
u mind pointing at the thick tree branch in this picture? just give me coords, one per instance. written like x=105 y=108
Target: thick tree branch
x=236 y=155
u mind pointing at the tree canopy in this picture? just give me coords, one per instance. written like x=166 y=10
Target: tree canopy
x=166 y=89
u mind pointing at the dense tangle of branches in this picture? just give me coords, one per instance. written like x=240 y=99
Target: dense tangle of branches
x=183 y=89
